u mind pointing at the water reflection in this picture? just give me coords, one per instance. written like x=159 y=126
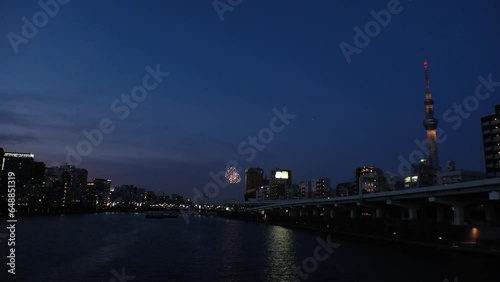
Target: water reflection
x=281 y=251
x=232 y=253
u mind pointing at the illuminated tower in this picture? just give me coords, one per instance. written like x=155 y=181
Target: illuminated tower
x=430 y=124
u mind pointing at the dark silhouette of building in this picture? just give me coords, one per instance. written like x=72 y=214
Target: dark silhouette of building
x=3 y=191
x=29 y=179
x=254 y=178
x=305 y=190
x=320 y=188
x=177 y=199
x=491 y=143
x=21 y=164
x=370 y=179
x=420 y=175
x=293 y=191
x=453 y=175
x=346 y=189
x=69 y=183
x=38 y=173
x=98 y=192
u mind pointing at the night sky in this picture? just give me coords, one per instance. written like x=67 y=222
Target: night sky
x=226 y=77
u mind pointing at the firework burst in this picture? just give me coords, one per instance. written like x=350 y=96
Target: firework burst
x=232 y=175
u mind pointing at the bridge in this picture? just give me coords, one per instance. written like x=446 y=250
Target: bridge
x=462 y=199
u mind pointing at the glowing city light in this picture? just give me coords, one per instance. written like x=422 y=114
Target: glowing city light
x=232 y=175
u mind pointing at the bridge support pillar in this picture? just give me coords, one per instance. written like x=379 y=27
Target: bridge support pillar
x=302 y=213
x=315 y=212
x=489 y=212
x=292 y=213
x=458 y=215
x=440 y=214
x=379 y=213
x=412 y=213
x=354 y=212
x=332 y=213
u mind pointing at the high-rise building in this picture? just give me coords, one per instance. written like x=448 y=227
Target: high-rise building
x=491 y=143
x=370 y=179
x=21 y=164
x=305 y=190
x=320 y=188
x=254 y=178
x=69 y=182
x=2 y=152
x=430 y=124
x=3 y=191
x=279 y=182
x=99 y=192
x=29 y=177
x=38 y=173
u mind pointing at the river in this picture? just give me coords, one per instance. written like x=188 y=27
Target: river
x=119 y=247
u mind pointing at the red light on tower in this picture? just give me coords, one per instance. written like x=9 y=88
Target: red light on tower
x=426 y=77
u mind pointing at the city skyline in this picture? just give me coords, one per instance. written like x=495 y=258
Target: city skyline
x=366 y=112
x=237 y=140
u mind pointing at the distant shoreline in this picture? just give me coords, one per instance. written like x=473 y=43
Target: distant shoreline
x=74 y=212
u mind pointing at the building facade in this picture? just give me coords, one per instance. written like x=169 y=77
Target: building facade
x=345 y=189
x=98 y=192
x=491 y=143
x=305 y=190
x=453 y=175
x=69 y=182
x=320 y=188
x=370 y=179
x=279 y=182
x=254 y=178
x=21 y=164
x=420 y=175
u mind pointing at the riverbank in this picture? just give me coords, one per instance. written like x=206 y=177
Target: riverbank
x=445 y=245
x=71 y=211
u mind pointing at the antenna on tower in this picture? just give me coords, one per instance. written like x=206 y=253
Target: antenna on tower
x=427 y=88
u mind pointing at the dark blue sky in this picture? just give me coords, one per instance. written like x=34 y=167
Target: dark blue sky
x=227 y=76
